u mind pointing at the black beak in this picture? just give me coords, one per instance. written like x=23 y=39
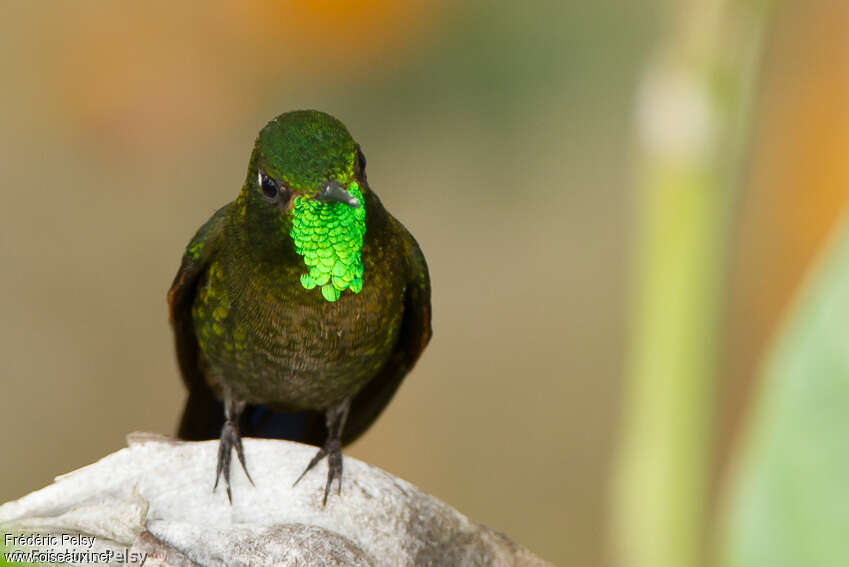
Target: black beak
x=333 y=192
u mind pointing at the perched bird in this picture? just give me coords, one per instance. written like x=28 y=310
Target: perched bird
x=300 y=306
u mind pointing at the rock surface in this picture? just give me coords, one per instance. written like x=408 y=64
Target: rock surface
x=153 y=500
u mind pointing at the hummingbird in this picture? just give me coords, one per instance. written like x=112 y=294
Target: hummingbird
x=300 y=306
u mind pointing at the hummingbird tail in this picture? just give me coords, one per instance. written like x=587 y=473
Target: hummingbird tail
x=304 y=427
x=204 y=417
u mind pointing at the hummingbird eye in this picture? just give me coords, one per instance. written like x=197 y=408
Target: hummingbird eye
x=268 y=185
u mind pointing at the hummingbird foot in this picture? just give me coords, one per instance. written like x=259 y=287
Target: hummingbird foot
x=230 y=439
x=332 y=448
x=333 y=451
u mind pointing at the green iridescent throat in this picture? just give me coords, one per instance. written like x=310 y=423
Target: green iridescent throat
x=329 y=236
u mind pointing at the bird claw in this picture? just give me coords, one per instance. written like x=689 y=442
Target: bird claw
x=333 y=451
x=230 y=439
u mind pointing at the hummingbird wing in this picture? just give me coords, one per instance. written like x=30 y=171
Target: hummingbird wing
x=204 y=414
x=413 y=337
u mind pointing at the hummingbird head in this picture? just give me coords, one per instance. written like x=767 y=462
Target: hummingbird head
x=305 y=153
x=306 y=184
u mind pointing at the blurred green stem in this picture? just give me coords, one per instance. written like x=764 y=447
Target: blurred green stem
x=693 y=123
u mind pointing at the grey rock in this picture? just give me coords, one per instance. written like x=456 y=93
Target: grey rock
x=154 y=500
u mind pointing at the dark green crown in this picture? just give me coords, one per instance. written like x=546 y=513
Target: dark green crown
x=306 y=148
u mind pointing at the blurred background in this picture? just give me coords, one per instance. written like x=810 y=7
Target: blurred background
x=619 y=203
